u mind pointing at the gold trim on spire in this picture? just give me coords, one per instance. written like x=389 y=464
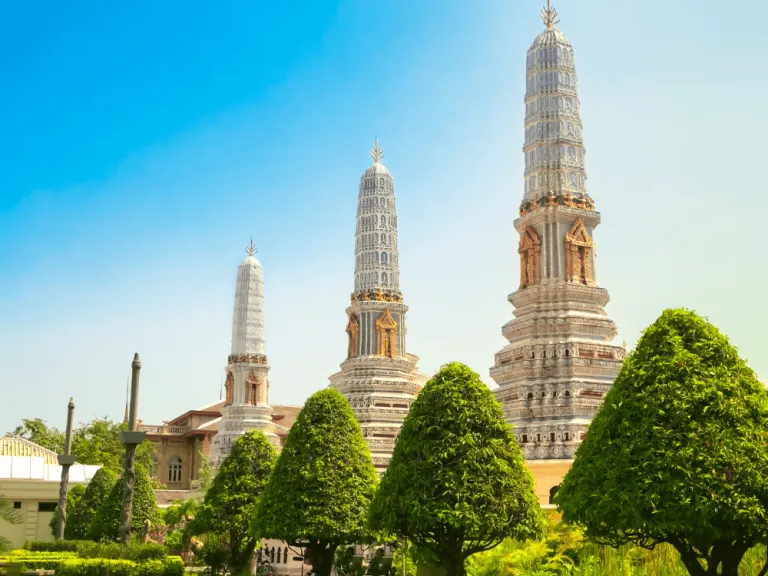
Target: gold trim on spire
x=376 y=152
x=549 y=15
x=251 y=249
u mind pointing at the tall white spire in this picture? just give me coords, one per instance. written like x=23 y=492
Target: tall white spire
x=246 y=402
x=554 y=143
x=559 y=361
x=248 y=317
x=379 y=378
x=376 y=258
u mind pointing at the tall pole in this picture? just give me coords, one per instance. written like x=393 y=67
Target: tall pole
x=65 y=461
x=131 y=439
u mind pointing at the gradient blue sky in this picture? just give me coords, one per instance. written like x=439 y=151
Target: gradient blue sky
x=144 y=144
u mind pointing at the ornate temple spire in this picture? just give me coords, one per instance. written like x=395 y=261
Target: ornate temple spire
x=376 y=256
x=248 y=317
x=549 y=15
x=554 y=146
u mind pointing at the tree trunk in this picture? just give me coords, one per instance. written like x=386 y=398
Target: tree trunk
x=321 y=555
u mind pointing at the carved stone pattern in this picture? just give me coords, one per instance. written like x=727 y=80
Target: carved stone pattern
x=530 y=258
x=247 y=359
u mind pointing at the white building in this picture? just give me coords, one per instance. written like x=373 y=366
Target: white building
x=29 y=480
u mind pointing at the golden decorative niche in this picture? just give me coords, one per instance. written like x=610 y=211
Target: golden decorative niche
x=386 y=335
x=229 y=389
x=252 y=388
x=530 y=257
x=353 y=331
x=578 y=254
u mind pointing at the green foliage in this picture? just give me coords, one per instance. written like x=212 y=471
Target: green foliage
x=7 y=514
x=319 y=493
x=213 y=553
x=172 y=566
x=457 y=483
x=88 y=549
x=37 y=560
x=82 y=506
x=231 y=501
x=106 y=522
x=74 y=495
x=678 y=452
x=96 y=442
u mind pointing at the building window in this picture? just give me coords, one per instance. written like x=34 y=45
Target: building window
x=46 y=507
x=525 y=438
x=17 y=505
x=174 y=470
x=552 y=492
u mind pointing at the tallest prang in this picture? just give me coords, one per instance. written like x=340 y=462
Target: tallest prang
x=559 y=361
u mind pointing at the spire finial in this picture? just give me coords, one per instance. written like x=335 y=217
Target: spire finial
x=251 y=249
x=549 y=15
x=376 y=152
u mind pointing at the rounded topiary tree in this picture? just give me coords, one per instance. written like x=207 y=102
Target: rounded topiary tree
x=324 y=479
x=74 y=495
x=105 y=524
x=230 y=502
x=81 y=511
x=678 y=453
x=457 y=483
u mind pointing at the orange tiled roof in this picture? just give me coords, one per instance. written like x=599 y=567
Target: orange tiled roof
x=10 y=446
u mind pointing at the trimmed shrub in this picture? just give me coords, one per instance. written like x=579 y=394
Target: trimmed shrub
x=106 y=522
x=171 y=566
x=37 y=560
x=87 y=549
x=51 y=546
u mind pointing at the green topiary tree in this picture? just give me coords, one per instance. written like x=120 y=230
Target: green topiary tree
x=319 y=493
x=678 y=452
x=230 y=503
x=74 y=495
x=457 y=483
x=105 y=524
x=81 y=511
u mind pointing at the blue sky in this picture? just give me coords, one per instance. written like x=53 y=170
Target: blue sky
x=143 y=145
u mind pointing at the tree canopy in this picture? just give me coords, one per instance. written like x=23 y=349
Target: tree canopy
x=230 y=502
x=106 y=521
x=319 y=493
x=96 y=442
x=678 y=452
x=457 y=483
x=81 y=511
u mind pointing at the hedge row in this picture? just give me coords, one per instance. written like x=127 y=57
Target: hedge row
x=170 y=566
x=110 y=550
x=37 y=560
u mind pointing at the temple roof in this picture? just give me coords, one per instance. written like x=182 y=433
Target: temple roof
x=13 y=446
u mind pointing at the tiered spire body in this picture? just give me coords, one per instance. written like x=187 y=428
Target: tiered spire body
x=246 y=406
x=559 y=361
x=379 y=378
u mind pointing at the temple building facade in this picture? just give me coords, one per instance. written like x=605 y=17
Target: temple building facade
x=559 y=361
x=379 y=377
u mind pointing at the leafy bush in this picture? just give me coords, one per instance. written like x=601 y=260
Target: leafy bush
x=74 y=496
x=87 y=549
x=171 y=566
x=106 y=522
x=51 y=546
x=37 y=560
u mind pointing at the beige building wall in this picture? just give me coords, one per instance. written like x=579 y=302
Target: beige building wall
x=548 y=475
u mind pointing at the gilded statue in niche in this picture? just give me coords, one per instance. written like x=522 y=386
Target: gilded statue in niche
x=252 y=388
x=386 y=335
x=229 y=389
x=530 y=257
x=578 y=254
x=353 y=332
